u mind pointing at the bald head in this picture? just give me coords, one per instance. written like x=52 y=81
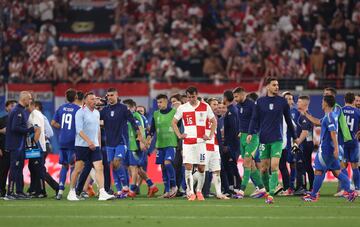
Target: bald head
x=25 y=98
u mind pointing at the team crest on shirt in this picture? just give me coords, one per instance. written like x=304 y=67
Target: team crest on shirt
x=271 y=106
x=112 y=113
x=241 y=110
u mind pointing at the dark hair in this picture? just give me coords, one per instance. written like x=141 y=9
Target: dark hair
x=143 y=108
x=39 y=105
x=88 y=93
x=111 y=89
x=10 y=102
x=304 y=97
x=70 y=95
x=191 y=90
x=330 y=100
x=287 y=93
x=80 y=95
x=238 y=90
x=176 y=96
x=161 y=96
x=130 y=102
x=229 y=95
x=253 y=96
x=269 y=80
x=349 y=97
x=331 y=89
x=210 y=100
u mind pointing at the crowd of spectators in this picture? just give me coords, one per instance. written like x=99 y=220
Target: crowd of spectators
x=180 y=40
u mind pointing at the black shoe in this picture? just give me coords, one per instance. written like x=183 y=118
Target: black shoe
x=111 y=192
x=22 y=196
x=300 y=191
x=39 y=195
x=180 y=194
x=10 y=197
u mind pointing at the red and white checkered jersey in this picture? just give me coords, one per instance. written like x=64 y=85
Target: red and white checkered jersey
x=194 y=121
x=213 y=144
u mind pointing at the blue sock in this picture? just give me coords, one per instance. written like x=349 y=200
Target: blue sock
x=318 y=180
x=356 y=178
x=127 y=178
x=292 y=178
x=171 y=174
x=62 y=180
x=345 y=172
x=165 y=180
x=149 y=182
x=117 y=181
x=344 y=180
x=121 y=172
x=133 y=187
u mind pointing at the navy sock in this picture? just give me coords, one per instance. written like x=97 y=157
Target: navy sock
x=121 y=171
x=292 y=178
x=356 y=178
x=171 y=174
x=344 y=180
x=345 y=172
x=117 y=181
x=62 y=179
x=149 y=182
x=318 y=180
x=165 y=180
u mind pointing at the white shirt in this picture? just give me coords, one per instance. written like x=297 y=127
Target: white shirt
x=37 y=118
x=46 y=10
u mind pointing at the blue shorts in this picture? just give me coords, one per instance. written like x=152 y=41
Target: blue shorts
x=163 y=154
x=136 y=158
x=257 y=156
x=85 y=154
x=351 y=152
x=325 y=163
x=118 y=152
x=67 y=156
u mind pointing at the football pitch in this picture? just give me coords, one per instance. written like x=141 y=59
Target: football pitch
x=141 y=211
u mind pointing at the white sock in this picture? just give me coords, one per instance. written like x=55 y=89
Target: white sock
x=102 y=190
x=196 y=177
x=217 y=183
x=201 y=182
x=189 y=181
x=60 y=192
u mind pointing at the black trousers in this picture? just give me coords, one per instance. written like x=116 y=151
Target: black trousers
x=284 y=170
x=178 y=166
x=4 y=171
x=48 y=178
x=308 y=149
x=16 y=177
x=37 y=175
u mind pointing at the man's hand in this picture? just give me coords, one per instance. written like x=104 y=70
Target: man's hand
x=248 y=139
x=92 y=146
x=1 y=153
x=182 y=136
x=206 y=137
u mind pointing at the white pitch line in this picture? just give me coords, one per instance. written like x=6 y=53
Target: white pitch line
x=180 y=217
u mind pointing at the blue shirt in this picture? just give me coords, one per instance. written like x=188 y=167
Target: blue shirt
x=115 y=119
x=352 y=116
x=89 y=122
x=268 y=116
x=245 y=112
x=329 y=123
x=231 y=127
x=17 y=129
x=65 y=116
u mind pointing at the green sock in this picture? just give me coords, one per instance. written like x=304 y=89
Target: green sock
x=255 y=175
x=273 y=182
x=246 y=177
x=265 y=178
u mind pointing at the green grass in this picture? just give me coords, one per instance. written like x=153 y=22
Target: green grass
x=290 y=211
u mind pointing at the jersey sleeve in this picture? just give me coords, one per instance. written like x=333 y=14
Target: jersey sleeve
x=56 y=117
x=179 y=113
x=79 y=121
x=330 y=124
x=210 y=113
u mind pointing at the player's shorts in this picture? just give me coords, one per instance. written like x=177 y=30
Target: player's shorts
x=351 y=152
x=213 y=161
x=325 y=163
x=248 y=150
x=163 y=154
x=270 y=150
x=67 y=156
x=86 y=154
x=257 y=156
x=136 y=158
x=194 y=153
x=117 y=152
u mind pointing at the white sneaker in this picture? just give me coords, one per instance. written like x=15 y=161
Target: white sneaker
x=339 y=194
x=103 y=195
x=72 y=196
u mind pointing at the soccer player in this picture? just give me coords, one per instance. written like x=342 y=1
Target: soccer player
x=268 y=117
x=114 y=117
x=245 y=109
x=137 y=150
x=305 y=138
x=64 y=120
x=194 y=114
x=351 y=148
x=166 y=142
x=327 y=159
x=87 y=146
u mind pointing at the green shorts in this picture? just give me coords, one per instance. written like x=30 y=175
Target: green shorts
x=271 y=150
x=248 y=150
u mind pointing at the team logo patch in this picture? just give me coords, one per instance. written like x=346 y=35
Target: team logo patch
x=241 y=110
x=112 y=113
x=271 y=106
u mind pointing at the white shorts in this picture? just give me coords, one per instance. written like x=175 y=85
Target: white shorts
x=213 y=161
x=194 y=153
